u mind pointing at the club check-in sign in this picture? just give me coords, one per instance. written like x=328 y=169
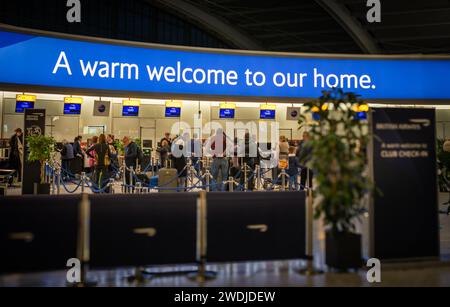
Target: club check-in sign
x=49 y=61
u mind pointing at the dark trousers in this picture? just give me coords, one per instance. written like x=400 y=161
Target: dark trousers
x=18 y=167
x=101 y=177
x=304 y=175
x=127 y=175
x=65 y=164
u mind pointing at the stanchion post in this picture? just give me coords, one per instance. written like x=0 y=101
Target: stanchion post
x=309 y=270
x=83 y=181
x=258 y=177
x=124 y=178
x=111 y=185
x=208 y=180
x=58 y=181
x=202 y=220
x=83 y=248
x=138 y=189
x=131 y=179
x=231 y=183
x=53 y=181
x=245 y=177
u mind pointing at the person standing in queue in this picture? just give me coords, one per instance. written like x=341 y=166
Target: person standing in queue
x=102 y=160
x=292 y=170
x=91 y=160
x=67 y=157
x=247 y=160
x=16 y=153
x=131 y=155
x=180 y=150
x=219 y=166
x=114 y=154
x=78 y=155
x=304 y=155
x=164 y=150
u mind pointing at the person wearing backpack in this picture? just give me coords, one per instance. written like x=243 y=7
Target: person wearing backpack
x=131 y=156
x=102 y=161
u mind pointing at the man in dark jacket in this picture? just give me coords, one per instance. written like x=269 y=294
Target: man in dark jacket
x=16 y=154
x=78 y=161
x=131 y=155
x=66 y=158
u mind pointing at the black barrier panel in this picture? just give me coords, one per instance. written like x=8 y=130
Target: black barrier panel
x=255 y=226
x=405 y=214
x=146 y=229
x=37 y=233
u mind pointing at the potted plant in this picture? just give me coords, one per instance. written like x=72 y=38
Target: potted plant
x=338 y=160
x=40 y=149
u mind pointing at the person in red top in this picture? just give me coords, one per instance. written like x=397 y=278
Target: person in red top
x=219 y=166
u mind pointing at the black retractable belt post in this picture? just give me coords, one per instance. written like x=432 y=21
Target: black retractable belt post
x=202 y=275
x=309 y=270
x=83 y=241
x=58 y=180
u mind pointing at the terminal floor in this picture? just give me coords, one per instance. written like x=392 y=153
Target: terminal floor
x=273 y=274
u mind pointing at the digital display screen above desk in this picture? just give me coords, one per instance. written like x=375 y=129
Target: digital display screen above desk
x=72 y=109
x=130 y=111
x=267 y=114
x=226 y=113
x=22 y=105
x=173 y=112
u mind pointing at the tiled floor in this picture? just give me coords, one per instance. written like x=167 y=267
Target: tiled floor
x=275 y=273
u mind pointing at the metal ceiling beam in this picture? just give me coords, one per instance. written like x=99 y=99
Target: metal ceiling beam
x=222 y=29
x=350 y=24
x=283 y=21
x=298 y=33
x=299 y=46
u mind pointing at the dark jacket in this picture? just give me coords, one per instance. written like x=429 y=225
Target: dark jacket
x=14 y=155
x=67 y=152
x=131 y=154
x=293 y=166
x=102 y=154
x=305 y=153
x=77 y=149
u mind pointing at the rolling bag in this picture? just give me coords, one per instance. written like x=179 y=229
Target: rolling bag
x=168 y=180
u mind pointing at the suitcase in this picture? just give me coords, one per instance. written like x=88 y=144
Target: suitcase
x=167 y=179
x=153 y=181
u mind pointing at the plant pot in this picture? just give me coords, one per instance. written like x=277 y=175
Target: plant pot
x=42 y=188
x=343 y=250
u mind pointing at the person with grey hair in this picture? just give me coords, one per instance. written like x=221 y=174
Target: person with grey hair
x=66 y=158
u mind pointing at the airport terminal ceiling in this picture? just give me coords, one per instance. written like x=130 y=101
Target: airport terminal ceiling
x=337 y=26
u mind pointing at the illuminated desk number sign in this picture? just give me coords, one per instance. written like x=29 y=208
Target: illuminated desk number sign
x=173 y=109
x=267 y=111
x=72 y=105
x=227 y=110
x=130 y=108
x=24 y=102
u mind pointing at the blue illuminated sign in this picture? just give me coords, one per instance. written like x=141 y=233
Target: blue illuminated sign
x=22 y=105
x=226 y=113
x=267 y=114
x=130 y=111
x=67 y=63
x=72 y=108
x=173 y=112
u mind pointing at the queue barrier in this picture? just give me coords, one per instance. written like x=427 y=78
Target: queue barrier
x=106 y=231
x=139 y=230
x=261 y=226
x=38 y=233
